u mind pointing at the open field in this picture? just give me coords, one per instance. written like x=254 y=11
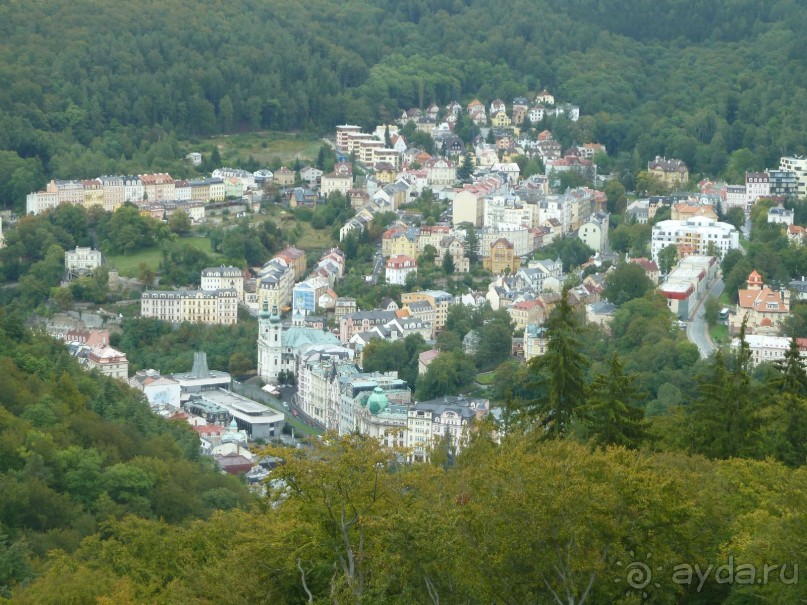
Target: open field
x=485 y=379
x=720 y=334
x=128 y=265
x=267 y=147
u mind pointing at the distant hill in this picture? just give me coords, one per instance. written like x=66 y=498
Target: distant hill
x=97 y=84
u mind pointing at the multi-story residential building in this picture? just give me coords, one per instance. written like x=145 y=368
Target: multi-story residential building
x=398 y=268
x=246 y=178
x=594 y=232
x=275 y=285
x=571 y=163
x=157 y=187
x=194 y=306
x=343 y=134
x=536 y=340
x=294 y=258
x=798 y=165
x=467 y=207
x=430 y=421
x=40 y=201
x=114 y=192
x=133 y=189
x=183 y=191
x=81 y=261
x=509 y=210
x=527 y=312
x=782 y=182
x=440 y=172
x=400 y=241
x=336 y=182
x=768 y=349
x=695 y=235
x=439 y=299
x=344 y=306
x=757 y=185
x=306 y=294
x=109 y=362
x=362 y=321
x=93 y=193
x=522 y=239
x=671 y=172
x=223 y=278
x=501 y=258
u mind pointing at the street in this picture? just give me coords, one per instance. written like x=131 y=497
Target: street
x=697 y=330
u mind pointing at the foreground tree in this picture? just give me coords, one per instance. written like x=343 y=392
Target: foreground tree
x=613 y=414
x=559 y=373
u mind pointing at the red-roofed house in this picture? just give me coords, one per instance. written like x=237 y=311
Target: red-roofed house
x=765 y=309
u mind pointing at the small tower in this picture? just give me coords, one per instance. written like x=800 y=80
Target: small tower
x=755 y=281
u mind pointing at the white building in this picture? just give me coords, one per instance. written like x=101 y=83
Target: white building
x=194 y=306
x=688 y=282
x=757 y=185
x=798 y=165
x=430 y=421
x=767 y=349
x=695 y=234
x=781 y=215
x=81 y=261
x=109 y=362
x=223 y=278
x=398 y=269
x=594 y=232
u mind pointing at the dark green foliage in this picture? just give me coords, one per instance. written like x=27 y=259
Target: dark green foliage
x=614 y=414
x=400 y=355
x=559 y=374
x=78 y=449
x=571 y=250
x=626 y=282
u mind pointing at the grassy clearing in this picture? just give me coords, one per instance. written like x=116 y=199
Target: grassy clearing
x=719 y=334
x=485 y=379
x=266 y=147
x=128 y=265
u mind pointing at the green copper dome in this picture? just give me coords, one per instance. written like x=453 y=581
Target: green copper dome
x=377 y=402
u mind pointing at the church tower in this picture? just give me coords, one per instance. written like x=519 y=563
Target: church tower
x=270 y=343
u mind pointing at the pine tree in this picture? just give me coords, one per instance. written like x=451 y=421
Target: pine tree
x=793 y=376
x=724 y=418
x=613 y=414
x=448 y=263
x=559 y=372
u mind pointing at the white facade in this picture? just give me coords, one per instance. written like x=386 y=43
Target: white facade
x=82 y=261
x=194 y=306
x=766 y=349
x=519 y=236
x=797 y=164
x=398 y=268
x=594 y=232
x=697 y=232
x=223 y=278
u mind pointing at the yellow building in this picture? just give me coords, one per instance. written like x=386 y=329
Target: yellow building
x=396 y=242
x=441 y=302
x=500 y=120
x=672 y=172
x=502 y=258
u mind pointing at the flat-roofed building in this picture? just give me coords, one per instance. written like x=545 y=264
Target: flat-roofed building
x=258 y=420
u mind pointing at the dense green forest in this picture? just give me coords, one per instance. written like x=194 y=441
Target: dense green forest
x=100 y=87
x=78 y=450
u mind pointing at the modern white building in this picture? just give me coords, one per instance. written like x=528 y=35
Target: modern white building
x=781 y=215
x=688 y=282
x=798 y=165
x=694 y=235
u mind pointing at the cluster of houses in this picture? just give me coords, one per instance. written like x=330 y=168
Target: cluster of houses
x=158 y=195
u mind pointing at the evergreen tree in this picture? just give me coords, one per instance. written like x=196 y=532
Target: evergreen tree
x=448 y=263
x=559 y=373
x=466 y=168
x=792 y=374
x=387 y=138
x=471 y=244
x=613 y=414
x=724 y=418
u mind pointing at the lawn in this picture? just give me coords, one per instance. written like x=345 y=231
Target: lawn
x=265 y=147
x=719 y=334
x=127 y=265
x=485 y=379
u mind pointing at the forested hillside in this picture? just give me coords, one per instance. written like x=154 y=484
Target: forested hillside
x=79 y=450
x=101 y=86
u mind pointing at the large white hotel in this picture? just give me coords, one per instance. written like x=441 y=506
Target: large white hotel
x=695 y=234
